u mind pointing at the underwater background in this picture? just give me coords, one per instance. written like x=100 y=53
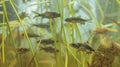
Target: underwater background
x=59 y=33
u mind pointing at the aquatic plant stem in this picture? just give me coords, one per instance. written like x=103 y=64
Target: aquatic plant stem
x=30 y=45
x=106 y=5
x=61 y=11
x=62 y=30
x=91 y=15
x=101 y=11
x=2 y=45
x=74 y=27
x=78 y=32
x=53 y=30
x=8 y=26
x=66 y=60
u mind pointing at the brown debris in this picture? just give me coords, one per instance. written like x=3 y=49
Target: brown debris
x=109 y=49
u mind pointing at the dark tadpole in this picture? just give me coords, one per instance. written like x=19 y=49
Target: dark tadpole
x=75 y=45
x=41 y=25
x=88 y=48
x=31 y=35
x=76 y=20
x=49 y=15
x=82 y=47
x=49 y=49
x=22 y=50
x=46 y=41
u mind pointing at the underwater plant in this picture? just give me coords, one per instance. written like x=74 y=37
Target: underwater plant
x=59 y=33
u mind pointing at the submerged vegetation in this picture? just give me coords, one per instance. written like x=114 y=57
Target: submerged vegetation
x=59 y=33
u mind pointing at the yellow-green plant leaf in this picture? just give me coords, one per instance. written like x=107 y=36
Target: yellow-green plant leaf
x=107 y=25
x=112 y=29
x=118 y=1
